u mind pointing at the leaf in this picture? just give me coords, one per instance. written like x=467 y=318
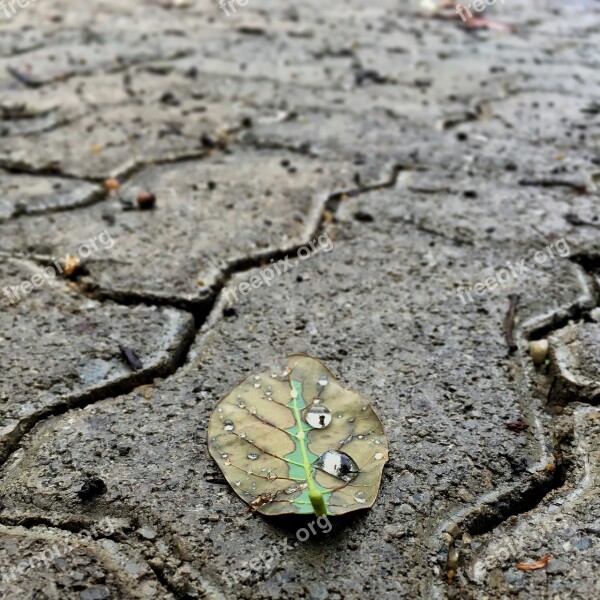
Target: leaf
x=292 y=440
x=534 y=566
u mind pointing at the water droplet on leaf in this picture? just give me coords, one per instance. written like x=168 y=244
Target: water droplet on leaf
x=338 y=464
x=228 y=423
x=318 y=417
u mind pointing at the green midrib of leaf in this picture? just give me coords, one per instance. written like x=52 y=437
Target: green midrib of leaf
x=313 y=499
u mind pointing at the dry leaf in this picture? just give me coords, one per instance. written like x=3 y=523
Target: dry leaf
x=534 y=566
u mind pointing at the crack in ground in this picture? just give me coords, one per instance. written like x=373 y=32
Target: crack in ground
x=78 y=526
x=200 y=309
x=492 y=510
x=110 y=390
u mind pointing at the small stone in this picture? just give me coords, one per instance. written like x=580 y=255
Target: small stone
x=147 y=532
x=538 y=350
x=146 y=201
x=92 y=488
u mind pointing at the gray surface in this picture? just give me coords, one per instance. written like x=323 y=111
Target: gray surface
x=431 y=156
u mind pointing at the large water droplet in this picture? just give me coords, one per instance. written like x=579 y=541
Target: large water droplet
x=360 y=497
x=379 y=456
x=228 y=423
x=253 y=455
x=323 y=381
x=318 y=417
x=338 y=464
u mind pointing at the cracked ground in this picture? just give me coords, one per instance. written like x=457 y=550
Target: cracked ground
x=173 y=152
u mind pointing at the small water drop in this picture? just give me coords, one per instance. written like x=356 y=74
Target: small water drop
x=360 y=497
x=294 y=394
x=242 y=435
x=318 y=417
x=253 y=455
x=238 y=483
x=257 y=378
x=379 y=456
x=241 y=404
x=323 y=381
x=253 y=410
x=224 y=455
x=269 y=390
x=272 y=475
x=361 y=437
x=351 y=420
x=377 y=441
x=257 y=385
x=364 y=408
x=228 y=423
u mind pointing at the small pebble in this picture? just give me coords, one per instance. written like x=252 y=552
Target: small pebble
x=146 y=200
x=538 y=350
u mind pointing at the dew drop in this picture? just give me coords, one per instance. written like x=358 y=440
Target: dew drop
x=242 y=435
x=318 y=417
x=361 y=437
x=323 y=381
x=338 y=464
x=377 y=441
x=253 y=455
x=224 y=455
x=228 y=423
x=241 y=404
x=257 y=385
x=360 y=497
x=238 y=483
x=379 y=456
x=253 y=410
x=351 y=420
x=364 y=408
x=257 y=378
x=269 y=391
x=272 y=475
x=294 y=394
